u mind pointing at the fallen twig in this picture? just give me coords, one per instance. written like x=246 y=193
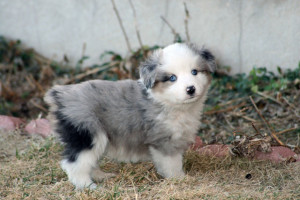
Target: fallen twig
x=90 y=72
x=227 y=121
x=286 y=130
x=294 y=109
x=249 y=119
x=277 y=139
x=231 y=101
x=269 y=97
x=41 y=59
x=30 y=82
x=38 y=106
x=271 y=130
x=261 y=116
x=37 y=84
x=245 y=117
x=230 y=108
x=256 y=129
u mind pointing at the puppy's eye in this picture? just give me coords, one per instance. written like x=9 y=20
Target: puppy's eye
x=173 y=78
x=194 y=72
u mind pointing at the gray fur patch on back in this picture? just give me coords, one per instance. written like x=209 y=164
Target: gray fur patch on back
x=122 y=111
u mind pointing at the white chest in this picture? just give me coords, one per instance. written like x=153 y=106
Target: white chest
x=183 y=123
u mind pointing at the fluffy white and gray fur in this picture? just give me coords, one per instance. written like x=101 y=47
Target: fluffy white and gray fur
x=155 y=118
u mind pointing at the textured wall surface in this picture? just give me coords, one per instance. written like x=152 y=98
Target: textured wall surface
x=241 y=33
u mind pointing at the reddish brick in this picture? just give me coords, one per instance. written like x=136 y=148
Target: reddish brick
x=10 y=123
x=198 y=143
x=39 y=126
x=218 y=150
x=278 y=154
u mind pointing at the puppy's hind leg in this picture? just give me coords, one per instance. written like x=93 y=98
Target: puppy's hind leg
x=80 y=168
x=169 y=166
x=78 y=171
x=98 y=175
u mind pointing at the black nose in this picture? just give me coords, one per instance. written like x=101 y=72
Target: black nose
x=190 y=90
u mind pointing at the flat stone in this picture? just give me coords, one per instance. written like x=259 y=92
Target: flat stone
x=217 y=150
x=277 y=155
x=39 y=126
x=10 y=123
x=198 y=143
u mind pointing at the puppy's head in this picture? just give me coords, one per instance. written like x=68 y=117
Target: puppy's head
x=178 y=74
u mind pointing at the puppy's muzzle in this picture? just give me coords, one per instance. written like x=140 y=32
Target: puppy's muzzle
x=190 y=90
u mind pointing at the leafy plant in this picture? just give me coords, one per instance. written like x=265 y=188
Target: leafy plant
x=227 y=87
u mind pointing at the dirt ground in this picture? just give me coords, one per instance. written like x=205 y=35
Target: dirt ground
x=29 y=169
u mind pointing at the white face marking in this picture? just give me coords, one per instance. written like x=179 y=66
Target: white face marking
x=179 y=60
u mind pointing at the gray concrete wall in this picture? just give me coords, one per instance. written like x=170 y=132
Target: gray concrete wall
x=241 y=33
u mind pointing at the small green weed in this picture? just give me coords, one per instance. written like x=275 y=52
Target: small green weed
x=227 y=87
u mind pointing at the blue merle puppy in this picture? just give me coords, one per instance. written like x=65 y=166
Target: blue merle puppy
x=154 y=118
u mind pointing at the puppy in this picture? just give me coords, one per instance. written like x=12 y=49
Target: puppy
x=155 y=118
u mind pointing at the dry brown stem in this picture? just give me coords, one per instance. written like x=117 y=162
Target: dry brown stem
x=294 y=109
x=37 y=84
x=39 y=106
x=169 y=25
x=271 y=130
x=286 y=130
x=230 y=108
x=90 y=72
x=121 y=25
x=136 y=25
x=239 y=114
x=83 y=49
x=269 y=97
x=186 y=21
x=256 y=129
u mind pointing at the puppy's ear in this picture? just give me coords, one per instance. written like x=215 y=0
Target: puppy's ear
x=209 y=59
x=148 y=69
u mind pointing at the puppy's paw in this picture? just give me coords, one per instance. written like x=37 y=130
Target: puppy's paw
x=82 y=184
x=98 y=175
x=177 y=174
x=93 y=186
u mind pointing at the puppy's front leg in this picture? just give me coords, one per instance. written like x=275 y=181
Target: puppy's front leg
x=167 y=165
